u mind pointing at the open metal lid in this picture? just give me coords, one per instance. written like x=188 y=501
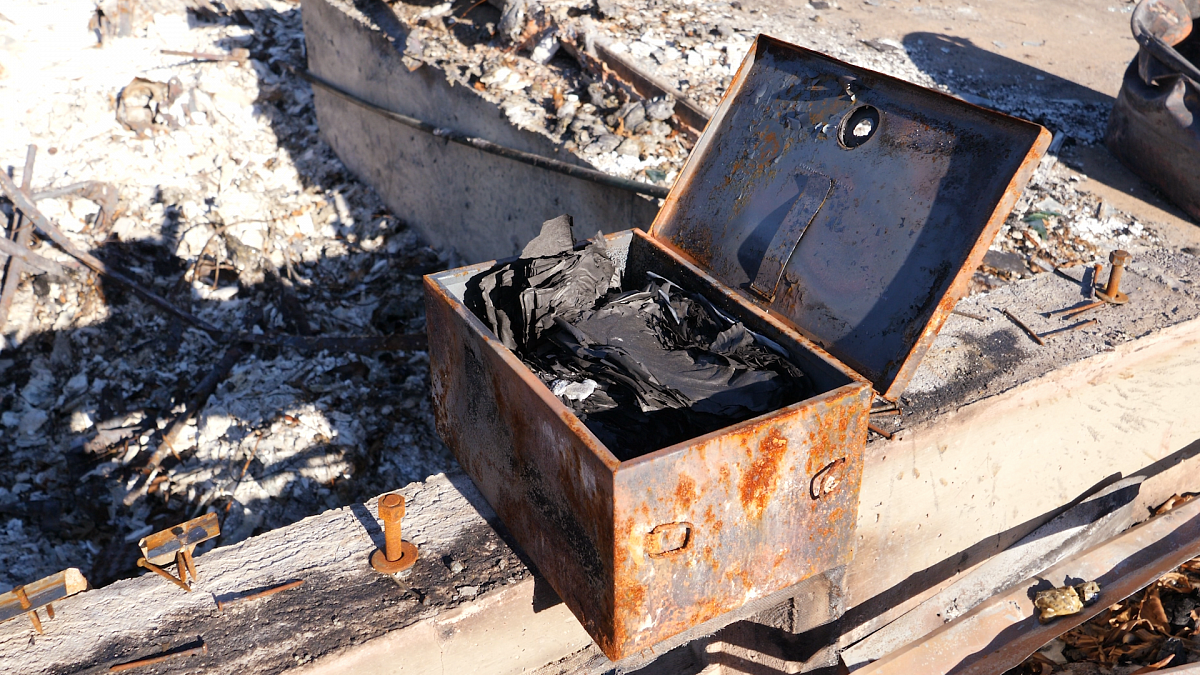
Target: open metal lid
x=853 y=204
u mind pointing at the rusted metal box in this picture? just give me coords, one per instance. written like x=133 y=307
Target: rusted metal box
x=835 y=210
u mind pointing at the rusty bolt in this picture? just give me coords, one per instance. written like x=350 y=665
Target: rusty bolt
x=397 y=555
x=1112 y=292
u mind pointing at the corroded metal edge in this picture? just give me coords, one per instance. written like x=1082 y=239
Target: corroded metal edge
x=42 y=592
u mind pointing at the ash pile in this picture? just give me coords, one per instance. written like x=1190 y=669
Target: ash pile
x=544 y=65
x=201 y=178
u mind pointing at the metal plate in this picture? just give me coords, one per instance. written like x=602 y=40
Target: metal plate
x=42 y=592
x=160 y=547
x=916 y=200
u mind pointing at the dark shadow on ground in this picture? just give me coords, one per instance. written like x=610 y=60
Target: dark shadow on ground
x=988 y=78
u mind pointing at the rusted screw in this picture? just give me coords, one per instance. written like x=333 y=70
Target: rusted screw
x=1112 y=292
x=397 y=554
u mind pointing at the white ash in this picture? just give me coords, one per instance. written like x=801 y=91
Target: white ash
x=287 y=242
x=575 y=391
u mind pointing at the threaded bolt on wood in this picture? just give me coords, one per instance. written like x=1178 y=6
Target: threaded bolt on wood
x=1112 y=292
x=397 y=554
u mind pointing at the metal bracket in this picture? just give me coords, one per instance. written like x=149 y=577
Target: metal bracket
x=177 y=544
x=29 y=598
x=808 y=203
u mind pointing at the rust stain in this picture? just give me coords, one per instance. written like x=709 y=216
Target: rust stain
x=760 y=479
x=685 y=493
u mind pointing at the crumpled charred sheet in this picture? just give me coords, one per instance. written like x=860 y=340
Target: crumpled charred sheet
x=643 y=368
x=1152 y=128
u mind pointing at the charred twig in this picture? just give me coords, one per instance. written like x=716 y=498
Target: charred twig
x=1029 y=331
x=238 y=484
x=171 y=433
x=969 y=315
x=20 y=240
x=357 y=345
x=21 y=258
x=203 y=391
x=102 y=194
x=1069 y=329
x=24 y=204
x=240 y=55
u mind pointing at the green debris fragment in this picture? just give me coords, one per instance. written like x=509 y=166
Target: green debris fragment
x=1041 y=215
x=656 y=175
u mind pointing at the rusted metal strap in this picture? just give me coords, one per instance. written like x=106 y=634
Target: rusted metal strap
x=647 y=85
x=29 y=598
x=814 y=191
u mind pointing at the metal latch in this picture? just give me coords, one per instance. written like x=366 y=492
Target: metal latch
x=814 y=190
x=668 y=539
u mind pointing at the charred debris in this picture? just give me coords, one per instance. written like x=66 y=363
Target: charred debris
x=643 y=368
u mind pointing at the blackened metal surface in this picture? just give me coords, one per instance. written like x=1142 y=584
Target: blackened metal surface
x=921 y=185
x=542 y=471
x=645 y=549
x=1152 y=128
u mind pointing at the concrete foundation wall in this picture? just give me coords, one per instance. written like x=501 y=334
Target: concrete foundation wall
x=483 y=205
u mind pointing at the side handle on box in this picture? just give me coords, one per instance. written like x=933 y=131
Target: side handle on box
x=669 y=539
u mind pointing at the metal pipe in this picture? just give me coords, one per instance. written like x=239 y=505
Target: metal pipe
x=200 y=650
x=222 y=604
x=580 y=172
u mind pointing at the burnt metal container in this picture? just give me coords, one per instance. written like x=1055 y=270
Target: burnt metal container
x=839 y=212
